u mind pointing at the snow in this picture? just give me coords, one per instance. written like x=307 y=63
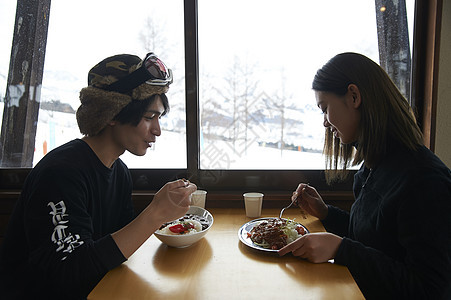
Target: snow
x=57 y=128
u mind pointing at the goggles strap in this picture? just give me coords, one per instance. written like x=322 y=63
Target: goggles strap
x=130 y=81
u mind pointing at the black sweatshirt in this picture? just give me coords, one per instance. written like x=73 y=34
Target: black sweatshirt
x=58 y=242
x=397 y=237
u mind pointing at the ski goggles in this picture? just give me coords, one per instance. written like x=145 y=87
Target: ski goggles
x=151 y=70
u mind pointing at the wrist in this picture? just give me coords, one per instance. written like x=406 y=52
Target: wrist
x=324 y=212
x=151 y=217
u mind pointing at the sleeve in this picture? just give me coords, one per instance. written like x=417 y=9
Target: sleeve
x=337 y=221
x=128 y=210
x=424 y=272
x=60 y=231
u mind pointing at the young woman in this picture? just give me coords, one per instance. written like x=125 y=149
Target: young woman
x=74 y=220
x=396 y=240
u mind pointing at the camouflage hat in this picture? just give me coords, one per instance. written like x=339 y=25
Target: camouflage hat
x=99 y=105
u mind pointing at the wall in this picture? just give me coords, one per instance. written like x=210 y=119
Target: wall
x=443 y=130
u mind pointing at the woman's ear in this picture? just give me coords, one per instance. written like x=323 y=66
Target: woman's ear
x=354 y=92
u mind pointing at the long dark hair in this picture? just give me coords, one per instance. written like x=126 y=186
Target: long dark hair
x=386 y=116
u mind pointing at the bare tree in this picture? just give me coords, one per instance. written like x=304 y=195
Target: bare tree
x=153 y=37
x=278 y=101
x=238 y=94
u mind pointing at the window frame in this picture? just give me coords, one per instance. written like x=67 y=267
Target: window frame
x=147 y=181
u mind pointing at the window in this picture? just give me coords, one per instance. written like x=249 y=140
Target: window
x=250 y=119
x=80 y=34
x=256 y=65
x=7 y=13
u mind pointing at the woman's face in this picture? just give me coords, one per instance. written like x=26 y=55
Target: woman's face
x=138 y=139
x=341 y=114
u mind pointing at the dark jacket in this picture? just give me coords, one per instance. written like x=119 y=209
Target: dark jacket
x=58 y=243
x=397 y=237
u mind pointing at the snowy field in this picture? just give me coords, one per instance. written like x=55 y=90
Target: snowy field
x=56 y=128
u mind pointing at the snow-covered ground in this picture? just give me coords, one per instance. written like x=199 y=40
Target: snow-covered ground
x=56 y=128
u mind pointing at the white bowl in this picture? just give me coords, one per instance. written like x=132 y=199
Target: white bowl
x=186 y=240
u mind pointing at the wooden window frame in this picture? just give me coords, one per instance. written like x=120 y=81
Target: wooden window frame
x=226 y=186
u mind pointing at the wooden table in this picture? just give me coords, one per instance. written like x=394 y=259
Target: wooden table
x=219 y=266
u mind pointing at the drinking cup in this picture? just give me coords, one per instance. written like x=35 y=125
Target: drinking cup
x=198 y=198
x=253 y=204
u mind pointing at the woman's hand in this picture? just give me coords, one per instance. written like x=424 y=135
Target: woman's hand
x=310 y=201
x=315 y=247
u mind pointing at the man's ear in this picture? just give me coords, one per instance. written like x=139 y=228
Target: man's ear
x=354 y=92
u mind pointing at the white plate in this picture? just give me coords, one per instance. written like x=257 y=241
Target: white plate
x=243 y=231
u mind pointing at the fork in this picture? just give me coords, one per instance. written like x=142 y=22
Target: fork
x=297 y=203
x=283 y=209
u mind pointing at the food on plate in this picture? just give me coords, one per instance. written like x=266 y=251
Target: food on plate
x=275 y=233
x=181 y=227
x=188 y=224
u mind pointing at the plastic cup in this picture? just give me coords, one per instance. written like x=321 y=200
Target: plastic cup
x=253 y=204
x=198 y=198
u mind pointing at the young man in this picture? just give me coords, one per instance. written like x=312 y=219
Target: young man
x=74 y=220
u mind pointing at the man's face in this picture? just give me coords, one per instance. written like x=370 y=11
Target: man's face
x=137 y=139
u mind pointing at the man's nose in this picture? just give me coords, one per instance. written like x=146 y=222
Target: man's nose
x=156 y=129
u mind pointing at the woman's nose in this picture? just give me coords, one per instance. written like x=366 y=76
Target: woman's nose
x=326 y=122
